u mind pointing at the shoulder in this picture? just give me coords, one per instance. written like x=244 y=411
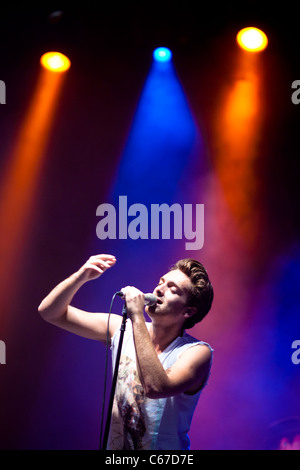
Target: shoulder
x=198 y=351
x=188 y=342
x=196 y=360
x=196 y=355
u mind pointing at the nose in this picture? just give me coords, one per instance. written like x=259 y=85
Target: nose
x=158 y=291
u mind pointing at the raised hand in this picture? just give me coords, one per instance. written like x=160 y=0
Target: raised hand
x=95 y=266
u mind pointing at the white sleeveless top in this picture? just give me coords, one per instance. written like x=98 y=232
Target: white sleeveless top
x=141 y=423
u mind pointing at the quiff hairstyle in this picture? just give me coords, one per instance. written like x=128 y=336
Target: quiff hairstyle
x=202 y=294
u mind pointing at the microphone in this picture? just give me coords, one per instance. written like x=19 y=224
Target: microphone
x=150 y=299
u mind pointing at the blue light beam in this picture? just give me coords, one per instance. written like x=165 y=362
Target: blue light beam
x=162 y=141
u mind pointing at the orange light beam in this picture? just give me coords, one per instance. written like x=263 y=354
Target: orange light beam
x=238 y=133
x=20 y=179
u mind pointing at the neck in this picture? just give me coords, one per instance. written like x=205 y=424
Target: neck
x=162 y=336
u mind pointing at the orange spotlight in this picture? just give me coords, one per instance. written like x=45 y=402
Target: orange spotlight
x=252 y=39
x=19 y=184
x=238 y=132
x=55 y=62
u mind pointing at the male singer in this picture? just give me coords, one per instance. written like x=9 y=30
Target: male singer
x=162 y=369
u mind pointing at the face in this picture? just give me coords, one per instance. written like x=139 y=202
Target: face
x=172 y=293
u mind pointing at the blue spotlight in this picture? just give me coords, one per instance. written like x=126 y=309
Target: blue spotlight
x=161 y=142
x=162 y=54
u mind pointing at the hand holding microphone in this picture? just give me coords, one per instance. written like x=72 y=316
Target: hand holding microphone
x=149 y=299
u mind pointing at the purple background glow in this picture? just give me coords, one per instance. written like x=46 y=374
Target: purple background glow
x=114 y=127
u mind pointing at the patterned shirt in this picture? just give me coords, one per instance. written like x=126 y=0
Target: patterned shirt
x=141 y=423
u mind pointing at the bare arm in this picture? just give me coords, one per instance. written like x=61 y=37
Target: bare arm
x=56 y=308
x=187 y=374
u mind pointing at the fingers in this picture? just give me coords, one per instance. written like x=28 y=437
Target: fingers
x=102 y=261
x=135 y=302
x=97 y=265
x=132 y=293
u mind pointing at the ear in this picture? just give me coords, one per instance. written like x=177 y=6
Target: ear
x=189 y=311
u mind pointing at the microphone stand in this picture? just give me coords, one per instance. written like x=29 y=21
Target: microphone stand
x=113 y=387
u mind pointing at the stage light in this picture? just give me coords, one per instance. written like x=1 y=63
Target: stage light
x=55 y=62
x=161 y=138
x=252 y=39
x=162 y=54
x=20 y=179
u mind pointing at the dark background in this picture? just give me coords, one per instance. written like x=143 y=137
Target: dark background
x=51 y=387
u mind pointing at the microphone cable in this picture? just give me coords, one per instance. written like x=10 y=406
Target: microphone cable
x=105 y=368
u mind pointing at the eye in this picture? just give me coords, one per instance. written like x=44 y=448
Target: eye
x=173 y=289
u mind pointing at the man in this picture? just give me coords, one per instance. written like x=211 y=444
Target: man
x=162 y=369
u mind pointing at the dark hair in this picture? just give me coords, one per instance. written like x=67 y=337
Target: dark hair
x=202 y=294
